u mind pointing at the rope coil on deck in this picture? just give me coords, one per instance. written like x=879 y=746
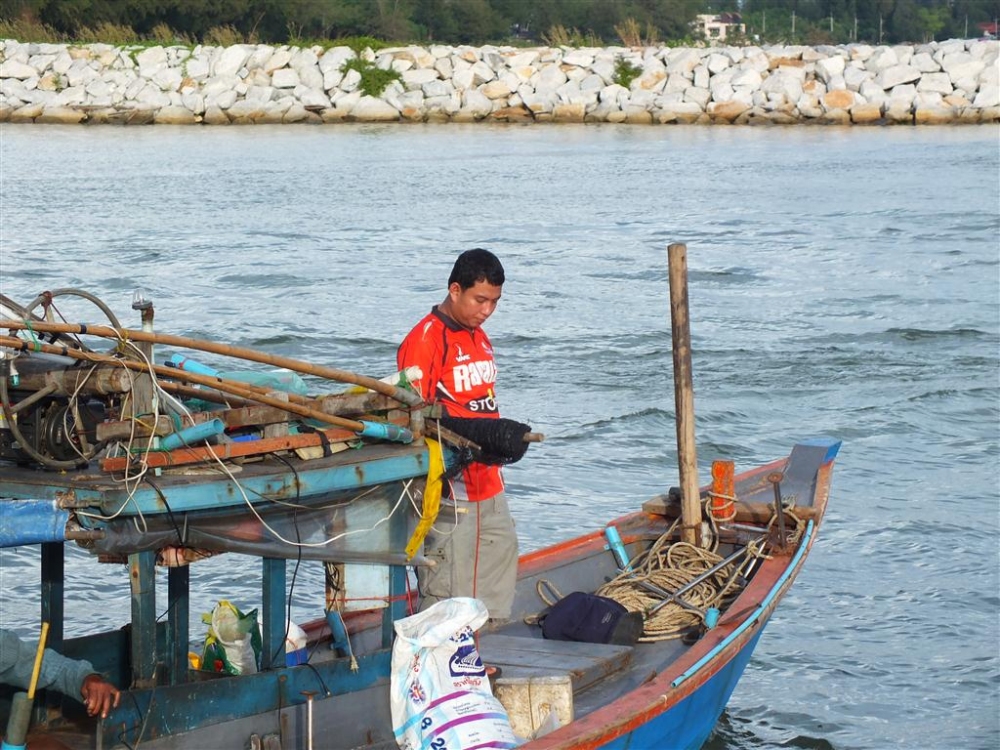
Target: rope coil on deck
x=662 y=583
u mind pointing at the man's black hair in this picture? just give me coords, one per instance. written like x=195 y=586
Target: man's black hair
x=476 y=265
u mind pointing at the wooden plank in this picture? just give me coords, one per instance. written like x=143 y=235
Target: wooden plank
x=585 y=663
x=226 y=451
x=664 y=505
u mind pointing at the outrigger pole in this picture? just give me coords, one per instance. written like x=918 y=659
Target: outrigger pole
x=241 y=390
x=687 y=458
x=128 y=334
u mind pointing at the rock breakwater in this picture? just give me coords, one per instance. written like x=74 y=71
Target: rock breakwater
x=955 y=81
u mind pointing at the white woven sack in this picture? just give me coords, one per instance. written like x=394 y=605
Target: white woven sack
x=441 y=697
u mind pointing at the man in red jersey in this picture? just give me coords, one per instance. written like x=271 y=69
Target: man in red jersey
x=473 y=540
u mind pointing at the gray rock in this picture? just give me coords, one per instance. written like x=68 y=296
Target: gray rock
x=168 y=79
x=61 y=115
x=260 y=94
x=174 y=115
x=701 y=79
x=245 y=112
x=699 y=96
x=70 y=96
x=334 y=58
x=747 y=77
x=194 y=102
x=475 y=104
x=579 y=58
x=27 y=113
x=312 y=98
x=436 y=88
x=232 y=60
x=224 y=100
x=215 y=116
x=351 y=81
x=371 y=109
x=152 y=57
x=987 y=98
x=682 y=61
x=285 y=78
x=923 y=62
x=415 y=79
x=935 y=82
x=17 y=69
x=261 y=56
x=895 y=75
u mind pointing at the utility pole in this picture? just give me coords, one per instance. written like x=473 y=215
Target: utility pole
x=879 y=28
x=793 y=25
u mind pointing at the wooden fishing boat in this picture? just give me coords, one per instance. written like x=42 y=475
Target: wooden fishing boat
x=290 y=492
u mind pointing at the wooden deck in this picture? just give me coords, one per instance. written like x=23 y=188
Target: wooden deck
x=585 y=663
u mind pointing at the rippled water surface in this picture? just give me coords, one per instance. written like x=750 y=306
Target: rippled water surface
x=842 y=282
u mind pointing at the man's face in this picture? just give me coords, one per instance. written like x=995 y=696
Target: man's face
x=471 y=307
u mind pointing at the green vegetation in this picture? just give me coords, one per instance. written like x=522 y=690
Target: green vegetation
x=632 y=23
x=626 y=72
x=373 y=78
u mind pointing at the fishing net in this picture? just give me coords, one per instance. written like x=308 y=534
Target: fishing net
x=501 y=441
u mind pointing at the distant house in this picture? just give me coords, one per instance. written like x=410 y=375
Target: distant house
x=717 y=27
x=989 y=30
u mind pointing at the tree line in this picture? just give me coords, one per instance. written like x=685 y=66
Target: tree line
x=477 y=22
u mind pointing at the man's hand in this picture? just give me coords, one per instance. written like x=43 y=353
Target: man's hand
x=99 y=695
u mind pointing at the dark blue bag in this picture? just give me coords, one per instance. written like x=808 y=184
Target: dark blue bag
x=590 y=618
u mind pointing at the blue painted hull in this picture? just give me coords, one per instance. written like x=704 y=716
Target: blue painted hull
x=687 y=725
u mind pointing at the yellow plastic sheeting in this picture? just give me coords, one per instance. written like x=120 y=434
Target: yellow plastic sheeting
x=432 y=496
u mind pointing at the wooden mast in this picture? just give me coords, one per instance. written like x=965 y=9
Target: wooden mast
x=687 y=458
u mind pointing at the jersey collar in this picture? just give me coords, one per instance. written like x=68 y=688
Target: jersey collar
x=450 y=323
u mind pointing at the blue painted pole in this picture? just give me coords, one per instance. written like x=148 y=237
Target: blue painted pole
x=272 y=652
x=191 y=365
x=142 y=578
x=386 y=431
x=618 y=548
x=192 y=434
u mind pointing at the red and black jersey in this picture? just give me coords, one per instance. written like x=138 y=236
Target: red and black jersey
x=459 y=373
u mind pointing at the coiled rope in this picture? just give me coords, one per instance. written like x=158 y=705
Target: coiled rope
x=668 y=567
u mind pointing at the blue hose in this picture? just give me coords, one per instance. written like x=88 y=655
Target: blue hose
x=193 y=434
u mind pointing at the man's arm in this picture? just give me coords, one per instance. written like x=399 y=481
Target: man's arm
x=99 y=695
x=72 y=677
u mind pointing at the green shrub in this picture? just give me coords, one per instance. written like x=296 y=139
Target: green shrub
x=223 y=36
x=164 y=35
x=374 y=80
x=106 y=32
x=625 y=72
x=26 y=29
x=560 y=36
x=359 y=43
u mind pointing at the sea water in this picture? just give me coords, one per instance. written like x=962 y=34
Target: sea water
x=843 y=281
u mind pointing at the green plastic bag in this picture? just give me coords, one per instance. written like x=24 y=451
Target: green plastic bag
x=233 y=642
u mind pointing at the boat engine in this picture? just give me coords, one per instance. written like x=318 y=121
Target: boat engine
x=51 y=425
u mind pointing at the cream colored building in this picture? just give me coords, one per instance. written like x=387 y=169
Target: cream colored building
x=716 y=27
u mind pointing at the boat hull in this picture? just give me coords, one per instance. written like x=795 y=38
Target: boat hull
x=661 y=694
x=688 y=725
